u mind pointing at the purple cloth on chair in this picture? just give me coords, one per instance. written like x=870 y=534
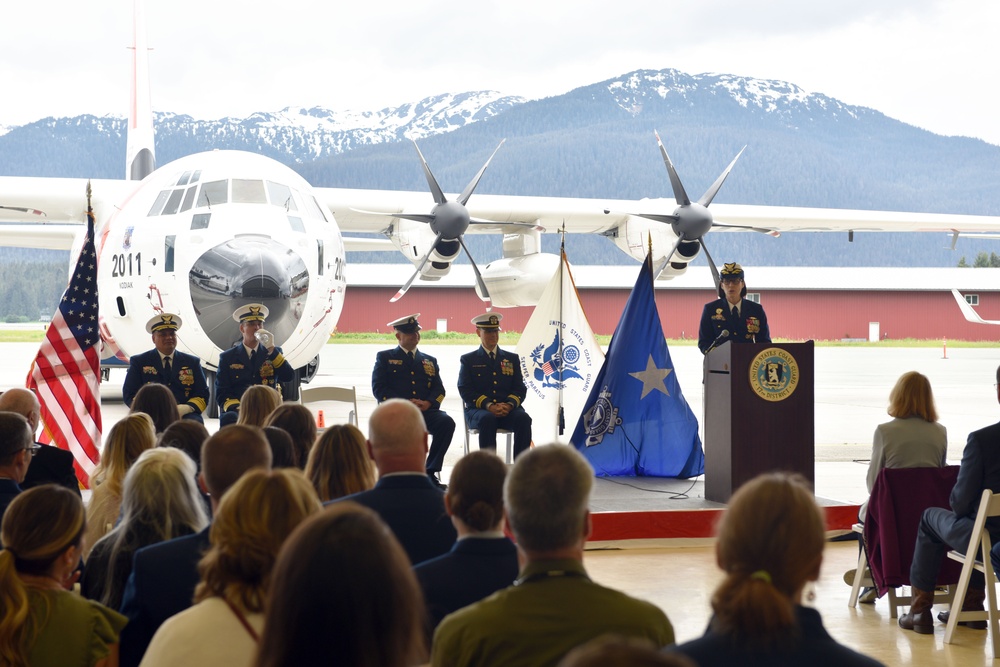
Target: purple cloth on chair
x=897 y=502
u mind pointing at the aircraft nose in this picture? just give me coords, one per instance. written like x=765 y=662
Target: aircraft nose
x=248 y=269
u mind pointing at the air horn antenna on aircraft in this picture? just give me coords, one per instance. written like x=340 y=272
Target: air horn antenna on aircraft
x=691 y=221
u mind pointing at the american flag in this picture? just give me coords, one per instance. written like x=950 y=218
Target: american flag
x=66 y=372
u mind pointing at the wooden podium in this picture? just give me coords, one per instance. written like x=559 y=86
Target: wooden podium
x=759 y=414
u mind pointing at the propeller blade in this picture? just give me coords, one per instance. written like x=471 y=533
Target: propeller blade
x=404 y=288
x=432 y=183
x=711 y=264
x=680 y=196
x=471 y=187
x=680 y=238
x=709 y=195
x=479 y=277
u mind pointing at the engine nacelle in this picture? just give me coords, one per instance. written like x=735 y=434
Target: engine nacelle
x=633 y=238
x=414 y=239
x=519 y=281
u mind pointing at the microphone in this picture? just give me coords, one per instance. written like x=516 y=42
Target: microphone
x=718 y=340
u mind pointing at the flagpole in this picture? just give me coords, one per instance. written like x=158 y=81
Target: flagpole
x=560 y=412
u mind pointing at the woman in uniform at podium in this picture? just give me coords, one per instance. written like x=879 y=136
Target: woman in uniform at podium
x=731 y=317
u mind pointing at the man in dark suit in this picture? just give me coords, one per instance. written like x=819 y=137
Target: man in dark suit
x=743 y=321
x=16 y=448
x=49 y=465
x=254 y=360
x=941 y=530
x=164 y=364
x=492 y=388
x=406 y=372
x=404 y=496
x=164 y=575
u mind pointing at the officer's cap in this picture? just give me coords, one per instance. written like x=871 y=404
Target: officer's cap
x=406 y=325
x=488 y=321
x=731 y=271
x=251 y=312
x=163 y=322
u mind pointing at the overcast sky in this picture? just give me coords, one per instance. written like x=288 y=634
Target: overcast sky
x=934 y=64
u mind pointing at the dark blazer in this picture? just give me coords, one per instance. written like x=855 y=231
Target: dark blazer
x=475 y=568
x=51 y=465
x=751 y=327
x=236 y=373
x=414 y=509
x=162 y=584
x=186 y=380
x=482 y=381
x=396 y=376
x=980 y=470
x=9 y=490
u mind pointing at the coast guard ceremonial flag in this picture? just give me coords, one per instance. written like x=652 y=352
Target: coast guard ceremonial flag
x=66 y=372
x=636 y=422
x=560 y=358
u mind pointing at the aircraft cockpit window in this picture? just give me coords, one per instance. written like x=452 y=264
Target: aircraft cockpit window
x=196 y=176
x=315 y=209
x=184 y=179
x=281 y=195
x=173 y=203
x=189 y=198
x=248 y=192
x=200 y=220
x=157 y=206
x=296 y=223
x=213 y=193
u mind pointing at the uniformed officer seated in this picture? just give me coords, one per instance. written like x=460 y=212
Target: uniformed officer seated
x=492 y=388
x=253 y=360
x=164 y=364
x=407 y=373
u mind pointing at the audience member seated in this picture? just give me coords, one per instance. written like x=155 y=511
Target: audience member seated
x=770 y=546
x=404 y=495
x=189 y=436
x=42 y=624
x=257 y=402
x=160 y=501
x=164 y=575
x=553 y=606
x=339 y=464
x=127 y=439
x=282 y=449
x=222 y=628
x=343 y=592
x=298 y=421
x=49 y=464
x=483 y=560
x=617 y=651
x=16 y=445
x=157 y=401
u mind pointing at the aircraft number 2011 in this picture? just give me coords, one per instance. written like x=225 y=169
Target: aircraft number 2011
x=123 y=264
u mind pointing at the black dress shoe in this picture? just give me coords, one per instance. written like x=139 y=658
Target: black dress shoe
x=436 y=481
x=943 y=616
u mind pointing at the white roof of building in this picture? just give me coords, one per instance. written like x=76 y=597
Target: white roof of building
x=699 y=277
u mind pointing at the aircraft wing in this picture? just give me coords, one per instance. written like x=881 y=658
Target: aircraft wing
x=364 y=211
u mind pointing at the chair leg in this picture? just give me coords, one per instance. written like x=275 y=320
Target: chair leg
x=859 y=576
x=510 y=448
x=960 y=590
x=991 y=607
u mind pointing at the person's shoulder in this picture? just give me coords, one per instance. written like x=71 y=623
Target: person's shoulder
x=384 y=354
x=424 y=355
x=141 y=358
x=185 y=358
x=169 y=550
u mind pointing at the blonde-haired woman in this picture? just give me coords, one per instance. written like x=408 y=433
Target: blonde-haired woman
x=257 y=402
x=127 y=439
x=160 y=501
x=253 y=520
x=339 y=464
x=770 y=546
x=41 y=623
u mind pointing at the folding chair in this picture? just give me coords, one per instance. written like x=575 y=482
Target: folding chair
x=500 y=431
x=332 y=394
x=977 y=556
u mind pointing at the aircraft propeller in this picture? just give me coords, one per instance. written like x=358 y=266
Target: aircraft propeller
x=691 y=221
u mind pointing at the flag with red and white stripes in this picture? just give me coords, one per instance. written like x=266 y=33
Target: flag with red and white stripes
x=66 y=373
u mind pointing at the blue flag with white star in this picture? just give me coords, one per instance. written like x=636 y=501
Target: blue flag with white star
x=636 y=421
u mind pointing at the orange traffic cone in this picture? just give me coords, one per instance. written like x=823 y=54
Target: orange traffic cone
x=320 y=421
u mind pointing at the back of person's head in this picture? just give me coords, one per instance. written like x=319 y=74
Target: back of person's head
x=257 y=402
x=282 y=448
x=15 y=437
x=770 y=543
x=620 y=651
x=186 y=435
x=396 y=428
x=296 y=420
x=229 y=453
x=128 y=438
x=23 y=402
x=912 y=397
x=339 y=464
x=160 y=501
x=39 y=526
x=547 y=496
x=343 y=569
x=475 y=490
x=157 y=401
x=254 y=518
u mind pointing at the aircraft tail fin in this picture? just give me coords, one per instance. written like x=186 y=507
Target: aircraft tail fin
x=140 y=158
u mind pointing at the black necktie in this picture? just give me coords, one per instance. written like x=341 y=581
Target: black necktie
x=166 y=365
x=493 y=356
x=253 y=356
x=409 y=353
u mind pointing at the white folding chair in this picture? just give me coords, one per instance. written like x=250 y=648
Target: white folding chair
x=863 y=577
x=500 y=431
x=977 y=556
x=348 y=395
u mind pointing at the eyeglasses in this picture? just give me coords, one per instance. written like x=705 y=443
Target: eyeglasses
x=32 y=449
